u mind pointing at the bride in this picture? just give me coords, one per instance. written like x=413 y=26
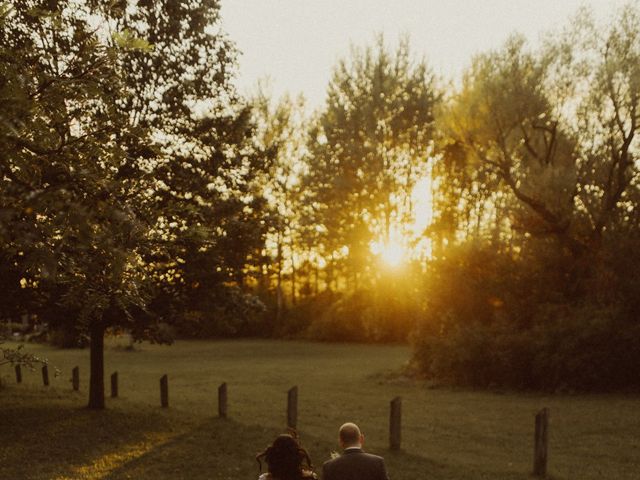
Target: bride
x=286 y=460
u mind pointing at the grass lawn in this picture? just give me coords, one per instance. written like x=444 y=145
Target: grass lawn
x=46 y=433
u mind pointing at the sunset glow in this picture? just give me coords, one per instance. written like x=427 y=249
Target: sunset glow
x=392 y=254
x=320 y=34
x=407 y=242
x=369 y=202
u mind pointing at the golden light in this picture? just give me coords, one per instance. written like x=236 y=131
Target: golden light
x=407 y=242
x=422 y=200
x=392 y=254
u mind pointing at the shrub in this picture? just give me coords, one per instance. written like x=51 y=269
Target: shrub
x=586 y=348
x=236 y=313
x=377 y=314
x=342 y=321
x=68 y=336
x=297 y=320
x=514 y=324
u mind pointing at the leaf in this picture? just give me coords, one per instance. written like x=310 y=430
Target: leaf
x=128 y=41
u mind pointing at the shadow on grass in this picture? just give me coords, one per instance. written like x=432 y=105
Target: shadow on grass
x=224 y=449
x=51 y=435
x=404 y=466
x=60 y=439
x=213 y=449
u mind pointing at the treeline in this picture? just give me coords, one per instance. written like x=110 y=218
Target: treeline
x=526 y=273
x=492 y=222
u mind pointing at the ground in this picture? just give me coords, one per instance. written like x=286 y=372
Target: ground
x=48 y=434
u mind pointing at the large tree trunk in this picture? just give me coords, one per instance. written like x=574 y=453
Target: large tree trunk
x=96 y=381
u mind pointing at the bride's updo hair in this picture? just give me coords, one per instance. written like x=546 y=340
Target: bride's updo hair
x=285 y=458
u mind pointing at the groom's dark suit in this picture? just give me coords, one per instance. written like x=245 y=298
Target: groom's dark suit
x=354 y=464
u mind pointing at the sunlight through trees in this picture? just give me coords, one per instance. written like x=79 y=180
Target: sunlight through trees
x=492 y=221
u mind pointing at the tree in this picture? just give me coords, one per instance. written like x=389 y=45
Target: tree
x=130 y=189
x=538 y=177
x=370 y=145
x=201 y=157
x=281 y=132
x=69 y=225
x=555 y=130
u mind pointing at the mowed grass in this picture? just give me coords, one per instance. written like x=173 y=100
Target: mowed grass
x=48 y=434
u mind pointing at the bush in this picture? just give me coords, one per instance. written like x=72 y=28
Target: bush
x=342 y=321
x=378 y=314
x=588 y=350
x=236 y=313
x=297 y=320
x=68 y=336
x=496 y=321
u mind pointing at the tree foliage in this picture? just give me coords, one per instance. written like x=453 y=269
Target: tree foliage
x=370 y=145
x=128 y=166
x=539 y=169
x=138 y=188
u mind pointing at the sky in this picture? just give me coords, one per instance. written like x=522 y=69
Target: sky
x=296 y=43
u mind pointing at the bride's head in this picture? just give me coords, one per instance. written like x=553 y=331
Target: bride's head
x=285 y=458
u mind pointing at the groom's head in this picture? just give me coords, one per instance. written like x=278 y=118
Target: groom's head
x=350 y=436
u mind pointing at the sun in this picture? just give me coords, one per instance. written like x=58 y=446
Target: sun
x=406 y=242
x=392 y=253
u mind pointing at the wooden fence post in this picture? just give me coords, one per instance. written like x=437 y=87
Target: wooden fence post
x=541 y=443
x=18 y=374
x=114 y=385
x=222 y=400
x=164 y=391
x=75 y=378
x=292 y=407
x=395 y=424
x=45 y=375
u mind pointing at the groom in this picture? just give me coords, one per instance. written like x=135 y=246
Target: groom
x=354 y=464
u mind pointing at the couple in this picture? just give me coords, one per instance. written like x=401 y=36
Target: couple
x=285 y=459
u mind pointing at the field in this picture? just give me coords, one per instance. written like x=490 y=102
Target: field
x=48 y=434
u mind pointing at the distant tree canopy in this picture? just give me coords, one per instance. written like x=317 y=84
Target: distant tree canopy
x=535 y=279
x=281 y=133
x=368 y=148
x=527 y=275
